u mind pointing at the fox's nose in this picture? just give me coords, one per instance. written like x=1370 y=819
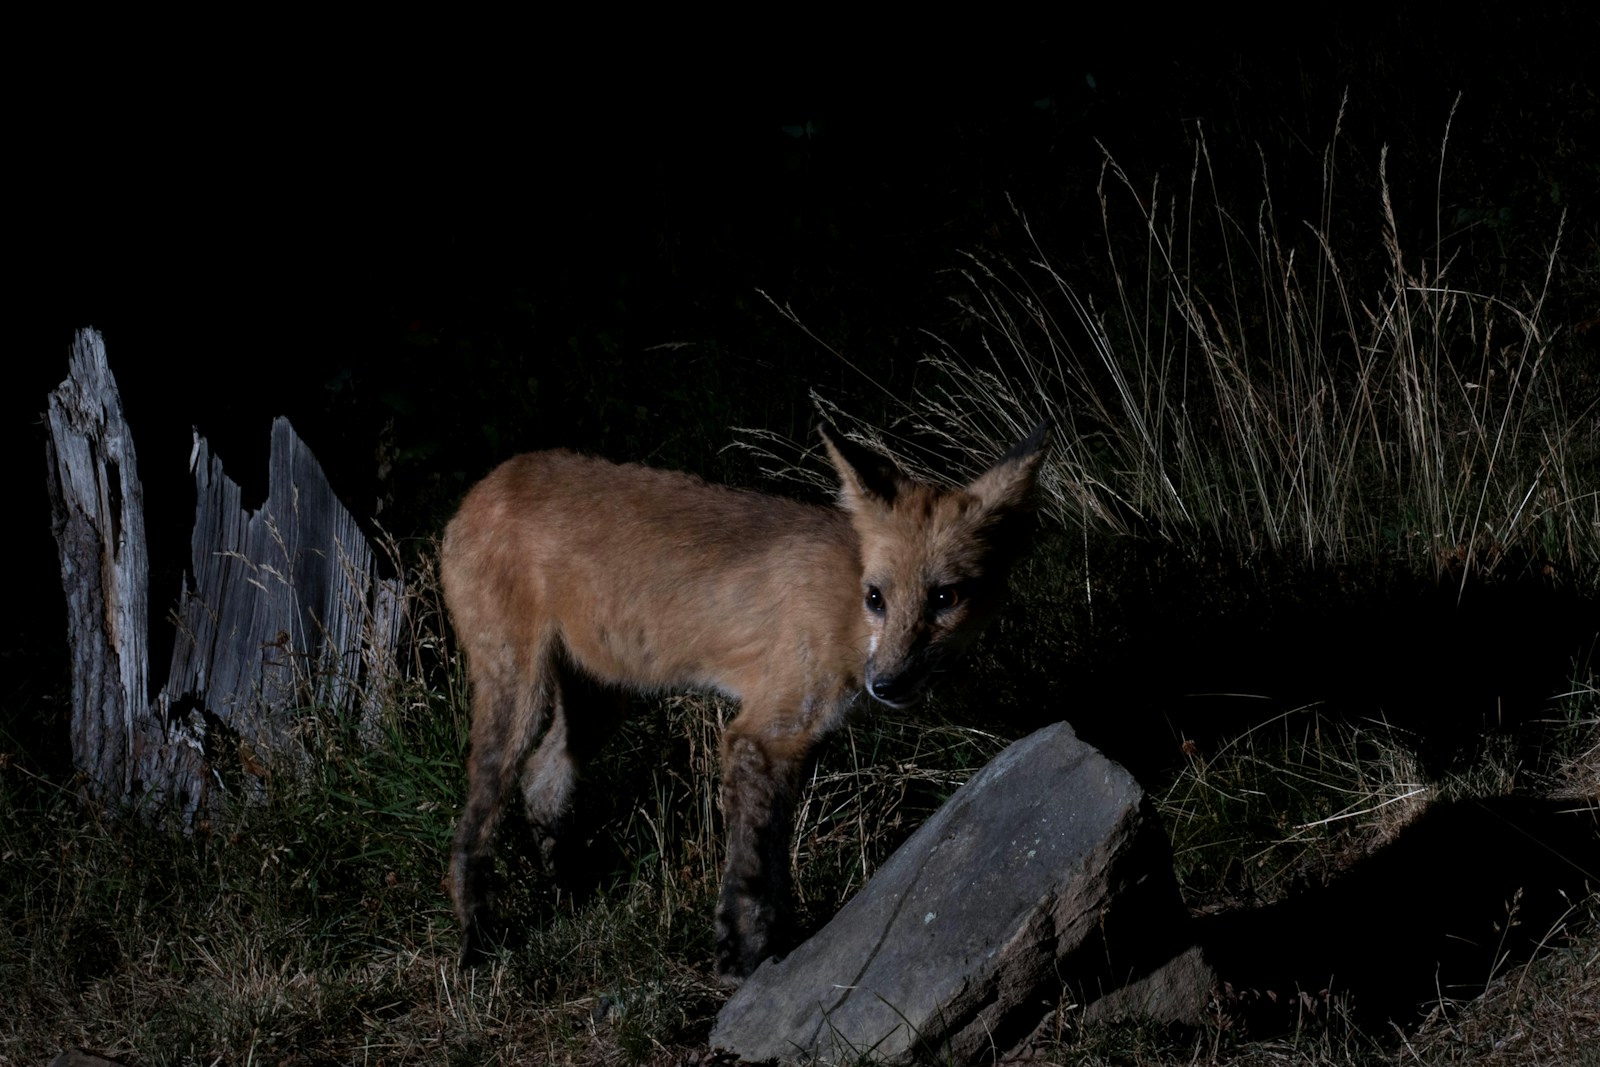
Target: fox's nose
x=895 y=690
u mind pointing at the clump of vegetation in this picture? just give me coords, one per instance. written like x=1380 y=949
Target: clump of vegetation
x=1245 y=388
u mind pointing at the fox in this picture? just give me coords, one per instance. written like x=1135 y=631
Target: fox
x=572 y=582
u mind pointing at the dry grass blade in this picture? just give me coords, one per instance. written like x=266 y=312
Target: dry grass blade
x=1283 y=414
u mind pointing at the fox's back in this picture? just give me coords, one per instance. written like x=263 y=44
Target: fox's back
x=650 y=578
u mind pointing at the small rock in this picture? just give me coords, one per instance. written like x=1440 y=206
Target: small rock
x=74 y=1057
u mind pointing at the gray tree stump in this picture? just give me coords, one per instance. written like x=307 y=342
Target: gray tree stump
x=97 y=515
x=286 y=613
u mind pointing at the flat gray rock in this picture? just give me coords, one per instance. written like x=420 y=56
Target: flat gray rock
x=1046 y=874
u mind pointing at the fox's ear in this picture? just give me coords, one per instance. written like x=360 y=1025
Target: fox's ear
x=1006 y=485
x=864 y=475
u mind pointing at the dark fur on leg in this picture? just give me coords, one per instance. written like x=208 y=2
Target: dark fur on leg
x=754 y=916
x=472 y=856
x=470 y=876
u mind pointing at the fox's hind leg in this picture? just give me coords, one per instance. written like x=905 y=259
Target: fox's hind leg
x=509 y=708
x=585 y=714
x=761 y=780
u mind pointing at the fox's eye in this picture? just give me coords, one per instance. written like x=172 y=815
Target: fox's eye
x=875 y=602
x=944 y=597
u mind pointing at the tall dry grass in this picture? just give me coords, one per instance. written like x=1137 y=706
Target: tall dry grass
x=1243 y=388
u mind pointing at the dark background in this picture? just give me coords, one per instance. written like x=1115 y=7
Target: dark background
x=432 y=246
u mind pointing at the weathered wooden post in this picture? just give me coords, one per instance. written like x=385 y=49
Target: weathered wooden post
x=97 y=515
x=287 y=614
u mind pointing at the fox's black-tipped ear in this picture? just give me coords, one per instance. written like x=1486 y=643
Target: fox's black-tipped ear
x=1006 y=485
x=1035 y=442
x=863 y=473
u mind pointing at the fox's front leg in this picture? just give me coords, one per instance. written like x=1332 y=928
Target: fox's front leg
x=761 y=779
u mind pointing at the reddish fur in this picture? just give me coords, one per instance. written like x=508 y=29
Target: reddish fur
x=567 y=575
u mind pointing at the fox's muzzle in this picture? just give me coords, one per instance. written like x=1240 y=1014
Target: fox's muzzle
x=900 y=689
